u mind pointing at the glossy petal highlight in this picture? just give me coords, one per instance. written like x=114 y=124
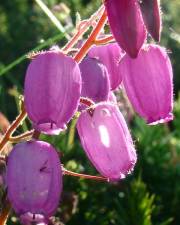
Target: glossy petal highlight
x=107 y=142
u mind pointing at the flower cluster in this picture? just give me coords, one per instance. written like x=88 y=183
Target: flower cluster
x=130 y=20
x=57 y=87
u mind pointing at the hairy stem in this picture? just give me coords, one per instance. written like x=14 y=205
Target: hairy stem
x=79 y=56
x=21 y=137
x=83 y=27
x=86 y=101
x=70 y=173
x=103 y=41
x=12 y=128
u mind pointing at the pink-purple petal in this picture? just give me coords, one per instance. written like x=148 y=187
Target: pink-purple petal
x=34 y=180
x=148 y=83
x=107 y=142
x=52 y=91
x=95 y=80
x=126 y=24
x=109 y=55
x=152 y=17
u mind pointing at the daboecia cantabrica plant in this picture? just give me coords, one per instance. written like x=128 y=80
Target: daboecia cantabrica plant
x=63 y=84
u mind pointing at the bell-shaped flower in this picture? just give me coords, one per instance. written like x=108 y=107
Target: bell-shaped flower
x=106 y=140
x=126 y=24
x=52 y=91
x=95 y=80
x=34 y=181
x=109 y=55
x=148 y=83
x=152 y=17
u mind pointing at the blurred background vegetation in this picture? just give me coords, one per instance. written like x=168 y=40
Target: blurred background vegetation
x=151 y=196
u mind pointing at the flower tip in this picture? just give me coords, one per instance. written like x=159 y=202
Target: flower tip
x=30 y=218
x=49 y=128
x=167 y=119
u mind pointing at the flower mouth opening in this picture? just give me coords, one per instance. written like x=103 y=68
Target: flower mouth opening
x=33 y=218
x=166 y=119
x=50 y=127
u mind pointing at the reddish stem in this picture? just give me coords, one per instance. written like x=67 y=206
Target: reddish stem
x=12 y=128
x=104 y=40
x=86 y=101
x=83 y=27
x=79 y=56
x=5 y=213
x=85 y=176
x=36 y=134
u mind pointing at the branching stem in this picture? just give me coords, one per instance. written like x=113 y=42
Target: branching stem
x=82 y=28
x=21 y=137
x=12 y=128
x=90 y=41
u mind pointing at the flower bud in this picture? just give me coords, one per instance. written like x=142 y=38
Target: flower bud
x=52 y=91
x=95 y=80
x=34 y=181
x=152 y=17
x=109 y=55
x=106 y=140
x=148 y=84
x=126 y=24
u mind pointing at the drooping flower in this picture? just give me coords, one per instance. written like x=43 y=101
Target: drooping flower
x=152 y=17
x=52 y=91
x=95 y=80
x=126 y=24
x=148 y=83
x=106 y=140
x=34 y=181
x=109 y=55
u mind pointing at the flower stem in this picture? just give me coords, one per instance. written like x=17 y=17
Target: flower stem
x=70 y=173
x=90 y=41
x=103 y=41
x=82 y=28
x=21 y=137
x=5 y=213
x=86 y=101
x=12 y=128
x=36 y=134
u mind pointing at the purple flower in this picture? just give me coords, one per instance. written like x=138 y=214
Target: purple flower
x=152 y=17
x=106 y=140
x=109 y=55
x=34 y=181
x=52 y=91
x=95 y=80
x=148 y=83
x=126 y=24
